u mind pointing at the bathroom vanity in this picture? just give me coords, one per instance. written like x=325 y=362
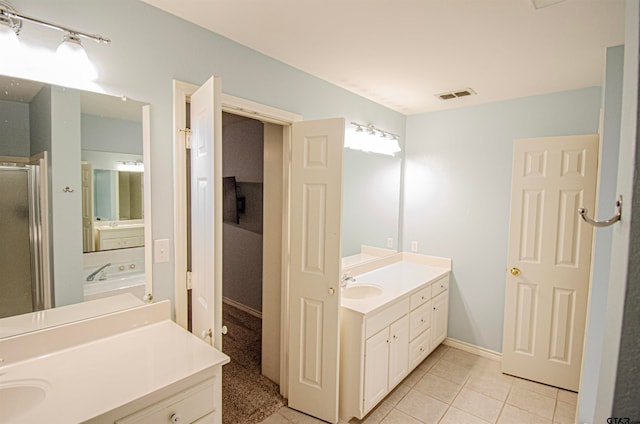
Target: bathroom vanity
x=132 y=366
x=392 y=318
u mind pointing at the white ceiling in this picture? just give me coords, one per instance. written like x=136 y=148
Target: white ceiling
x=400 y=53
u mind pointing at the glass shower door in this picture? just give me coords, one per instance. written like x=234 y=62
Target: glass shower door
x=17 y=284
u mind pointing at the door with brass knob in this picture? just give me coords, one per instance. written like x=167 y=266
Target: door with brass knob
x=549 y=256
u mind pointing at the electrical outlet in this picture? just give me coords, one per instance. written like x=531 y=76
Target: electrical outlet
x=414 y=246
x=390 y=243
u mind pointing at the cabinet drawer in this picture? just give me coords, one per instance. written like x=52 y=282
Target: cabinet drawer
x=440 y=286
x=187 y=406
x=382 y=319
x=420 y=320
x=419 y=349
x=421 y=296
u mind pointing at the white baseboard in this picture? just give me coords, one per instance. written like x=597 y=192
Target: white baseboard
x=476 y=350
x=242 y=307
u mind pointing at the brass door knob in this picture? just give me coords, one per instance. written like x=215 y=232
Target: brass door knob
x=514 y=271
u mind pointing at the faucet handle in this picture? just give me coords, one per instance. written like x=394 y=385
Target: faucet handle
x=346 y=279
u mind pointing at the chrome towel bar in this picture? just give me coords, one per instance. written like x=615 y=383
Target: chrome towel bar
x=583 y=213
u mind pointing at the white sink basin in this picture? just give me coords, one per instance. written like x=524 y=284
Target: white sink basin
x=20 y=397
x=361 y=291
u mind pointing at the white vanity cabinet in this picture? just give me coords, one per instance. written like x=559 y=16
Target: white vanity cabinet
x=380 y=348
x=196 y=404
x=440 y=313
x=386 y=360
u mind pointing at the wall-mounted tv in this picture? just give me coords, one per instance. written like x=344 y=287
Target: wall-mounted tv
x=232 y=200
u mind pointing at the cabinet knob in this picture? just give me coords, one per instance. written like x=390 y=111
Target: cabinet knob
x=422 y=297
x=422 y=320
x=175 y=418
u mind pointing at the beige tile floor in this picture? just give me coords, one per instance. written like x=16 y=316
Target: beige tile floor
x=455 y=387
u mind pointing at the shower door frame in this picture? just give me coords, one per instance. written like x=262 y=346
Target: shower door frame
x=38 y=195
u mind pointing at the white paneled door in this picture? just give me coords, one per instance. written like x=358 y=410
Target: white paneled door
x=314 y=271
x=206 y=212
x=549 y=258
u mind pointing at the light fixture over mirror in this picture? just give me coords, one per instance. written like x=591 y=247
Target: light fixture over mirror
x=70 y=61
x=368 y=138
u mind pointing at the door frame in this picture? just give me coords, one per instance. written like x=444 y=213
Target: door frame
x=238 y=106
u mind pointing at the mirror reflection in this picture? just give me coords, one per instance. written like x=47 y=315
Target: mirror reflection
x=370 y=205
x=71 y=197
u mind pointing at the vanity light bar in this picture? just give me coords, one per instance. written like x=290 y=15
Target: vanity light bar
x=371 y=129
x=12 y=16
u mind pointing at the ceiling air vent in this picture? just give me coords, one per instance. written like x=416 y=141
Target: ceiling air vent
x=455 y=94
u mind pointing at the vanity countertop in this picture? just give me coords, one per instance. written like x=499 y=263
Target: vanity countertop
x=90 y=379
x=396 y=280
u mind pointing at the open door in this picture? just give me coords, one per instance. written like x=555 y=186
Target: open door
x=88 y=238
x=314 y=268
x=206 y=212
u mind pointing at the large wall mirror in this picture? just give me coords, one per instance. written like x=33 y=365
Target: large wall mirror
x=370 y=205
x=73 y=200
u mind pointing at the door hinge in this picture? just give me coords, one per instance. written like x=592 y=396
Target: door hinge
x=188 y=280
x=187 y=137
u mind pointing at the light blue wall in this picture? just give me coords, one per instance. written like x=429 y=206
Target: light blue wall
x=612 y=107
x=14 y=129
x=150 y=48
x=457 y=194
x=111 y=135
x=66 y=206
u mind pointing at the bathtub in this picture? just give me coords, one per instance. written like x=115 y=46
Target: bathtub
x=125 y=277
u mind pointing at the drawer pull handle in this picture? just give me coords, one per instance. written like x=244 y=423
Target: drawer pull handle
x=175 y=418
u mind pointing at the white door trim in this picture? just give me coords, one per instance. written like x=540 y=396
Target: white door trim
x=238 y=106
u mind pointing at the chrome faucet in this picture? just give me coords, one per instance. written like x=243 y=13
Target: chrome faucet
x=94 y=273
x=346 y=279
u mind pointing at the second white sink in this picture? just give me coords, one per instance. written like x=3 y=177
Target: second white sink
x=361 y=291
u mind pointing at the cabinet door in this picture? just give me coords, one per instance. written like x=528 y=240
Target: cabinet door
x=376 y=368
x=398 y=351
x=439 y=318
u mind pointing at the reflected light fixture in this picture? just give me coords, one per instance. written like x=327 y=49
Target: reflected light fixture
x=373 y=140
x=130 y=166
x=71 y=56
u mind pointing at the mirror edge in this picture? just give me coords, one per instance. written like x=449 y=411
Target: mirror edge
x=148 y=234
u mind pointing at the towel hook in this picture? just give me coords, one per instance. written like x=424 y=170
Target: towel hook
x=583 y=213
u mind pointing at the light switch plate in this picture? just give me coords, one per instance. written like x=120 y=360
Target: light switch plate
x=414 y=246
x=390 y=243
x=161 y=251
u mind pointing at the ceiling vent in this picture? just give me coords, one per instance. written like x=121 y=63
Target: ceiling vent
x=455 y=94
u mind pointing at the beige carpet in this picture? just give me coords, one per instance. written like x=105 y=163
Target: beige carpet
x=247 y=396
